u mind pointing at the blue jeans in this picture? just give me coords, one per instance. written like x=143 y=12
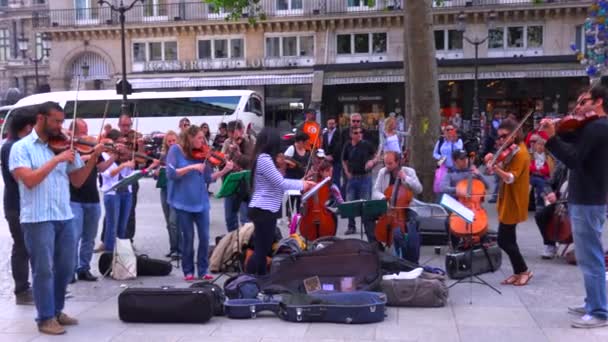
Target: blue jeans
x=118 y=208
x=407 y=246
x=360 y=187
x=587 y=224
x=85 y=222
x=171 y=220
x=51 y=246
x=337 y=173
x=232 y=215
x=185 y=222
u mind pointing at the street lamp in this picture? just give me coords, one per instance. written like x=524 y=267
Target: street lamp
x=46 y=47
x=122 y=9
x=476 y=41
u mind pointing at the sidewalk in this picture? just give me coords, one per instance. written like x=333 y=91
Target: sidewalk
x=533 y=313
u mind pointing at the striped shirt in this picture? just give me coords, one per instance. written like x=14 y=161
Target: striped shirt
x=49 y=200
x=269 y=185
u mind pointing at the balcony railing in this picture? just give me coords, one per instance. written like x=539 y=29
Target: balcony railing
x=200 y=11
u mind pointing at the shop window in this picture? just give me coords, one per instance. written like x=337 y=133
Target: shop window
x=154 y=51
x=448 y=40
x=362 y=43
x=220 y=48
x=290 y=46
x=5 y=45
x=517 y=37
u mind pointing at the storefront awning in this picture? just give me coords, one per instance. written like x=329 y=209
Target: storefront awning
x=225 y=81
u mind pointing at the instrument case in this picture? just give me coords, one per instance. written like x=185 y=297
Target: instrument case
x=344 y=265
x=249 y=308
x=484 y=259
x=166 y=305
x=337 y=307
x=146 y=266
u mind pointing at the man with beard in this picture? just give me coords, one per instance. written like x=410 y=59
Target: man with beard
x=44 y=180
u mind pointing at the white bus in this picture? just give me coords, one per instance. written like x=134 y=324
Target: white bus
x=155 y=111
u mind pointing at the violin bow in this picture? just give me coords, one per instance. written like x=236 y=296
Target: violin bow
x=103 y=120
x=312 y=151
x=136 y=114
x=508 y=142
x=74 y=127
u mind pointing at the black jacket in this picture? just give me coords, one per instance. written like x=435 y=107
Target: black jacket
x=335 y=148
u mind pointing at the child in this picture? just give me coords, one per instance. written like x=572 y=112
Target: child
x=540 y=169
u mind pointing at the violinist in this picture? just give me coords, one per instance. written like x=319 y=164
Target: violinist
x=318 y=158
x=585 y=154
x=238 y=148
x=186 y=194
x=117 y=203
x=408 y=247
x=162 y=183
x=326 y=169
x=84 y=202
x=44 y=179
x=513 y=196
x=555 y=189
x=268 y=188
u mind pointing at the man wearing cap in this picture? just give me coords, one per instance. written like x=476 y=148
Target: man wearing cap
x=311 y=127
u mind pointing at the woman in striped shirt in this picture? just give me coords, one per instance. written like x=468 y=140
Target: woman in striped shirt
x=268 y=188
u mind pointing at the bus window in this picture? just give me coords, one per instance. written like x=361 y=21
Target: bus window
x=254 y=105
x=93 y=109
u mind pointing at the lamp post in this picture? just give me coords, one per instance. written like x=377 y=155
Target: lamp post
x=23 y=43
x=476 y=41
x=122 y=9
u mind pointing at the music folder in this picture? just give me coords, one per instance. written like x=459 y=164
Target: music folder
x=452 y=204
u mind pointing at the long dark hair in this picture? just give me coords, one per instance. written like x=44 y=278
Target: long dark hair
x=269 y=142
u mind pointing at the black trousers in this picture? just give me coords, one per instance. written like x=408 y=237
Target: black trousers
x=264 y=223
x=19 y=257
x=542 y=218
x=507 y=241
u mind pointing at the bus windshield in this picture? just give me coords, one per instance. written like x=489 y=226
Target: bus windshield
x=181 y=107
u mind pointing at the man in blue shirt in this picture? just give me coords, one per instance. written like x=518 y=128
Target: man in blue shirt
x=21 y=124
x=46 y=217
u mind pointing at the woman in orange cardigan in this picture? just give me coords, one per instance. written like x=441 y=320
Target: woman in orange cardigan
x=512 y=205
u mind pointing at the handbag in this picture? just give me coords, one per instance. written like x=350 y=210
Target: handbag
x=439 y=174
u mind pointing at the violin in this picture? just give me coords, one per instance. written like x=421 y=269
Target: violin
x=508 y=149
x=318 y=221
x=84 y=145
x=400 y=197
x=572 y=123
x=474 y=191
x=204 y=153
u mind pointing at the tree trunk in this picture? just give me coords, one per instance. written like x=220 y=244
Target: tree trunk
x=423 y=90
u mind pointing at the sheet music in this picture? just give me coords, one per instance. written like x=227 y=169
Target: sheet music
x=451 y=204
x=314 y=190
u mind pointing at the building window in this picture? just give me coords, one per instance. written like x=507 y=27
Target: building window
x=358 y=5
x=517 y=37
x=285 y=5
x=579 y=40
x=86 y=9
x=362 y=43
x=3 y=3
x=448 y=40
x=39 y=47
x=155 y=51
x=155 y=8
x=290 y=46
x=220 y=48
x=5 y=45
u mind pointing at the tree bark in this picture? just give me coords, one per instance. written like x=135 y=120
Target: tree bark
x=422 y=90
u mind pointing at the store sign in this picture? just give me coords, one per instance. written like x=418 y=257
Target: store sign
x=223 y=64
x=359 y=98
x=513 y=74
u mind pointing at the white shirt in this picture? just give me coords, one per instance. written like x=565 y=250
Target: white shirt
x=108 y=181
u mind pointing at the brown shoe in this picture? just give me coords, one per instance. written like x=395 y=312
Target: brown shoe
x=64 y=319
x=51 y=327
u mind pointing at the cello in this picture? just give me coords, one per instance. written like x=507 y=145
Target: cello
x=318 y=221
x=474 y=190
x=400 y=197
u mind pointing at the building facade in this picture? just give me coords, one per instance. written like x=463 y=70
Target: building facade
x=340 y=56
x=20 y=19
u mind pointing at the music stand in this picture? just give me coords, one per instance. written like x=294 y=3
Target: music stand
x=130 y=179
x=365 y=209
x=231 y=186
x=452 y=205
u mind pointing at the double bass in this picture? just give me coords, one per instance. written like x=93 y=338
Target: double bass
x=474 y=190
x=400 y=197
x=318 y=221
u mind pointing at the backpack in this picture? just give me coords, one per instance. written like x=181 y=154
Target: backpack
x=441 y=140
x=242 y=286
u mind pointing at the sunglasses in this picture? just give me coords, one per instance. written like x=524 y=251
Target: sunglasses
x=356 y=133
x=449 y=129
x=355 y=120
x=185 y=124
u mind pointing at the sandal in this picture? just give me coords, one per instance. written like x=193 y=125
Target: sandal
x=524 y=278
x=511 y=280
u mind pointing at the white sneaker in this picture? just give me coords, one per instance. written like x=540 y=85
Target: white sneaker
x=589 y=322
x=577 y=310
x=549 y=252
